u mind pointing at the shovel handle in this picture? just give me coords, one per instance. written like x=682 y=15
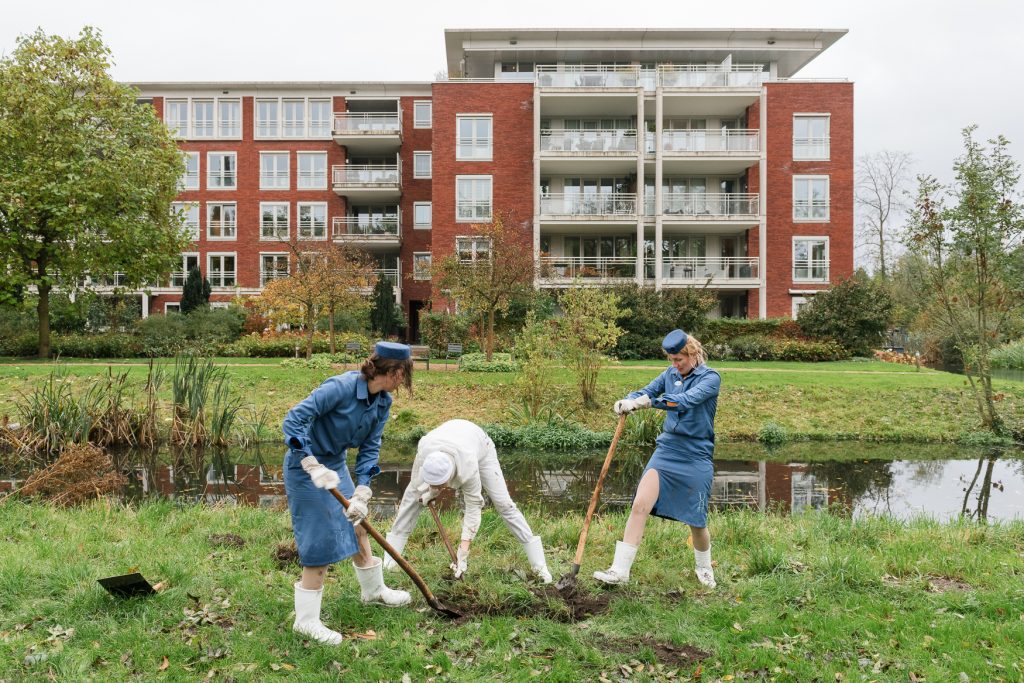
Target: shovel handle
x=597 y=494
x=444 y=534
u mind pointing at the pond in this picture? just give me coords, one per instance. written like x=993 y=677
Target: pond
x=903 y=481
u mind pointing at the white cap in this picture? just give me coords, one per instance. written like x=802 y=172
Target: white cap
x=438 y=467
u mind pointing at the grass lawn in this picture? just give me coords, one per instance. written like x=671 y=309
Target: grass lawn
x=816 y=597
x=868 y=400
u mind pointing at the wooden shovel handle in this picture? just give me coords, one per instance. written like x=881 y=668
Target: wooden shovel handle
x=597 y=491
x=444 y=534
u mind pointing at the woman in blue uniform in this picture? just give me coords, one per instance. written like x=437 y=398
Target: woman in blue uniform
x=346 y=411
x=676 y=483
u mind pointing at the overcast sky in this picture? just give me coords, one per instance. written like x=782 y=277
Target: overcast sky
x=922 y=70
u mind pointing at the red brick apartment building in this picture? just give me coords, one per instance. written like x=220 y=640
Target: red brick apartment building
x=668 y=158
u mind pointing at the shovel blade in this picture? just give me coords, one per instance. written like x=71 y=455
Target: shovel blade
x=568 y=581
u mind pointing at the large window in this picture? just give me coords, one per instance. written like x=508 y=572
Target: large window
x=473 y=248
x=422 y=114
x=189 y=261
x=176 y=117
x=312 y=220
x=189 y=212
x=268 y=118
x=472 y=198
x=312 y=170
x=421 y=265
x=474 y=137
x=202 y=119
x=810 y=198
x=293 y=117
x=274 y=171
x=810 y=136
x=421 y=215
x=229 y=118
x=810 y=259
x=273 y=267
x=220 y=269
x=273 y=220
x=421 y=163
x=221 y=171
x=190 y=179
x=221 y=223
x=320 y=116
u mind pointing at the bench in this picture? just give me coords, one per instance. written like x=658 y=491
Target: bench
x=420 y=353
x=454 y=351
x=353 y=347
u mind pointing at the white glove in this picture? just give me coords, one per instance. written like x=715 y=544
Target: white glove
x=429 y=493
x=324 y=477
x=459 y=568
x=626 y=406
x=357 y=505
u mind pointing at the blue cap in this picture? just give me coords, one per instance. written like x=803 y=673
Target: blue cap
x=392 y=350
x=674 y=341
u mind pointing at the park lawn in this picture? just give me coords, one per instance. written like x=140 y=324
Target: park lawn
x=820 y=401
x=799 y=598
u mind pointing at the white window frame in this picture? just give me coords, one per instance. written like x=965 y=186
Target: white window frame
x=279 y=131
x=804 y=148
x=274 y=180
x=288 y=266
x=187 y=206
x=475 y=143
x=797 y=302
x=234 y=132
x=184 y=183
x=306 y=179
x=209 y=221
x=208 y=128
x=276 y=132
x=810 y=267
x=328 y=125
x=172 y=306
x=419 y=275
x=418 y=156
x=184 y=267
x=416 y=224
x=187 y=130
x=298 y=221
x=209 y=270
x=224 y=176
x=297 y=128
x=490 y=199
x=276 y=236
x=220 y=305
x=418 y=120
x=474 y=247
x=810 y=206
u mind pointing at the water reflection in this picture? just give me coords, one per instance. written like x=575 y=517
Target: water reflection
x=983 y=487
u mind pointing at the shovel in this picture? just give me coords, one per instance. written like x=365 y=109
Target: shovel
x=308 y=463
x=568 y=582
x=444 y=535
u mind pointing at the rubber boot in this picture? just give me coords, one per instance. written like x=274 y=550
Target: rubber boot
x=705 y=574
x=307 y=617
x=397 y=542
x=372 y=588
x=535 y=554
x=619 y=571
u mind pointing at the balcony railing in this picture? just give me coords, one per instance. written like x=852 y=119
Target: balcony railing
x=810 y=270
x=268 y=275
x=368 y=174
x=728 y=141
x=587 y=76
x=367 y=123
x=811 y=148
x=611 y=204
x=222 y=278
x=810 y=209
x=709 y=76
x=221 y=229
x=588 y=141
x=709 y=206
x=704 y=268
x=587 y=267
x=391 y=274
x=364 y=227
x=473 y=209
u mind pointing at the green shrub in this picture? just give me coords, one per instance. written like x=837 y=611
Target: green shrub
x=1009 y=356
x=477 y=362
x=653 y=313
x=760 y=347
x=107 y=345
x=283 y=346
x=440 y=329
x=162 y=335
x=21 y=345
x=202 y=331
x=855 y=312
x=772 y=434
x=724 y=330
x=321 y=361
x=547 y=437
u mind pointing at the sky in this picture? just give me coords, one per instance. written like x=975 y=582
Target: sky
x=921 y=70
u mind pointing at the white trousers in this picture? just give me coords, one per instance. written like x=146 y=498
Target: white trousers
x=492 y=481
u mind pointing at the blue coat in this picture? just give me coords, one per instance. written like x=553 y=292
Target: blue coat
x=336 y=416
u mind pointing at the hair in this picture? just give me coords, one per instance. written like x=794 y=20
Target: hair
x=375 y=366
x=694 y=349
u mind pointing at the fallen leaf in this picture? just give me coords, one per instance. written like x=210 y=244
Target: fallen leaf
x=159 y=586
x=164 y=664
x=736 y=625
x=369 y=635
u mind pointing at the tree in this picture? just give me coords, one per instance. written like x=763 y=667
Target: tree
x=196 y=292
x=586 y=331
x=487 y=278
x=87 y=174
x=970 y=247
x=856 y=312
x=341 y=274
x=386 y=315
x=882 y=180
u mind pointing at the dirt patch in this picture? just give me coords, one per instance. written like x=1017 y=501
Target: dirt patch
x=286 y=555
x=944 y=584
x=668 y=654
x=552 y=605
x=226 y=539
x=579 y=605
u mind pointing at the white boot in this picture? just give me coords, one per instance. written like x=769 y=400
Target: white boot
x=397 y=542
x=535 y=554
x=371 y=583
x=307 y=617
x=619 y=571
x=705 y=574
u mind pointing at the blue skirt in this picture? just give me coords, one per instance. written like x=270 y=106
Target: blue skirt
x=323 y=535
x=684 y=485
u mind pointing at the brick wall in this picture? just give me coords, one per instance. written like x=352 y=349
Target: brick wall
x=414 y=190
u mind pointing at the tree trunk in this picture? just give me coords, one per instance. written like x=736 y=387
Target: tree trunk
x=881 y=250
x=490 y=335
x=330 y=325
x=310 y=329
x=43 y=312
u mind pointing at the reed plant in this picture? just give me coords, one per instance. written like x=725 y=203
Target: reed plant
x=193 y=381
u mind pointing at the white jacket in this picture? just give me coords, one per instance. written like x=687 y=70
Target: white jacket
x=467 y=444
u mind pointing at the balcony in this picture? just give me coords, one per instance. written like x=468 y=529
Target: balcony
x=810 y=270
x=372 y=131
x=587 y=142
x=739 y=142
x=699 y=206
x=585 y=76
x=611 y=206
x=367 y=182
x=368 y=232
x=723 y=272
x=738 y=76
x=563 y=270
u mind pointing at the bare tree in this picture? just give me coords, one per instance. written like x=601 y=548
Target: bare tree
x=881 y=193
